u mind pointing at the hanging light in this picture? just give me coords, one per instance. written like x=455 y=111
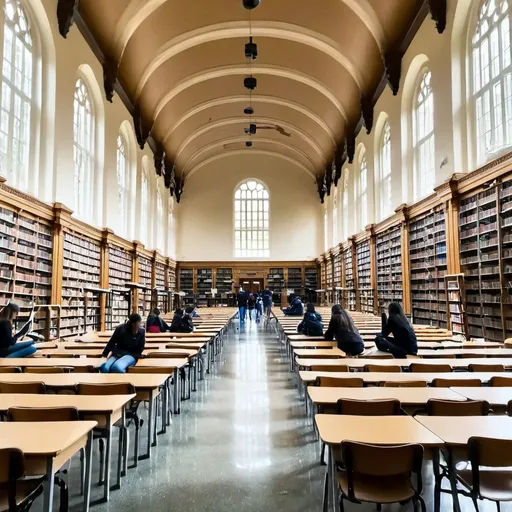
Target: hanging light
x=250 y=4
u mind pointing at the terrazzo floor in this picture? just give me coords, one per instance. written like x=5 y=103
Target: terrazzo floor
x=241 y=444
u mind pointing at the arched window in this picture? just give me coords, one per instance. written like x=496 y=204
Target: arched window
x=492 y=78
x=170 y=229
x=17 y=95
x=252 y=207
x=326 y=231
x=362 y=191
x=83 y=149
x=335 y=218
x=423 y=139
x=122 y=182
x=345 y=203
x=159 y=217
x=144 y=202
x=385 y=171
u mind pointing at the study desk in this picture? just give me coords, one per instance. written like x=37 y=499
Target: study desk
x=110 y=408
x=466 y=351
x=147 y=386
x=326 y=353
x=47 y=447
x=455 y=431
x=98 y=352
x=497 y=397
x=383 y=430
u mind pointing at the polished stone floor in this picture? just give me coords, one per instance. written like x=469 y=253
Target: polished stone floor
x=242 y=444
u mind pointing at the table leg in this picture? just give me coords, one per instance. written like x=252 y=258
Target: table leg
x=151 y=418
x=196 y=363
x=88 y=466
x=120 y=454
x=208 y=350
x=334 y=482
x=49 y=486
x=176 y=391
x=453 y=480
x=165 y=408
x=108 y=454
x=437 y=480
x=156 y=418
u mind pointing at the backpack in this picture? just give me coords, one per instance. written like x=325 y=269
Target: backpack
x=312 y=326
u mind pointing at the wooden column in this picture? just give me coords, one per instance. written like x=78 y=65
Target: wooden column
x=403 y=212
x=452 y=230
x=135 y=275
x=104 y=275
x=62 y=216
x=352 y=242
x=373 y=266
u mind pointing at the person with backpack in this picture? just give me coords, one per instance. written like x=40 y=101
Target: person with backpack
x=311 y=324
x=155 y=323
x=259 y=307
x=296 y=308
x=267 y=302
x=182 y=321
x=242 y=299
x=251 y=305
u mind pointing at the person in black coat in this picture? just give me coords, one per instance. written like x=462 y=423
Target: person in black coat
x=403 y=342
x=251 y=305
x=182 y=321
x=125 y=346
x=311 y=324
x=343 y=330
x=9 y=345
x=176 y=320
x=155 y=323
x=242 y=298
x=296 y=308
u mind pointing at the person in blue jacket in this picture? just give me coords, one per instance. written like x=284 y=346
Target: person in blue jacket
x=311 y=324
x=296 y=308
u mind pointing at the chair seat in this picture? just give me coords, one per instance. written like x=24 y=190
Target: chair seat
x=378 y=489
x=24 y=489
x=495 y=484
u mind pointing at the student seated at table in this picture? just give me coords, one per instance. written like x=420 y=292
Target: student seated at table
x=182 y=322
x=343 y=330
x=125 y=346
x=9 y=346
x=155 y=323
x=403 y=342
x=311 y=324
x=296 y=308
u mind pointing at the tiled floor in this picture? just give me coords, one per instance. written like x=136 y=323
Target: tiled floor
x=241 y=444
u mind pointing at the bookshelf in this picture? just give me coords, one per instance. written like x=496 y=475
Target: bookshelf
x=81 y=268
x=145 y=280
x=455 y=304
x=349 y=291
x=505 y=225
x=329 y=280
x=187 y=283
x=204 y=285
x=389 y=268
x=311 y=278
x=160 y=294
x=224 y=280
x=295 y=280
x=119 y=273
x=276 y=282
x=337 y=264
x=427 y=255
x=364 y=276
x=172 y=279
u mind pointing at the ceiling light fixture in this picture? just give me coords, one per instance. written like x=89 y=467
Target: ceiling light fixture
x=250 y=4
x=251 y=50
x=248 y=144
x=248 y=111
x=250 y=83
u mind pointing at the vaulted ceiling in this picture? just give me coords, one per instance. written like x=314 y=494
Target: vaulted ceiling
x=180 y=65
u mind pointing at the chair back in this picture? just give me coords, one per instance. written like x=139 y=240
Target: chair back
x=489 y=452
x=328 y=368
x=391 y=368
x=430 y=368
x=10 y=369
x=438 y=407
x=472 y=355
x=500 y=382
x=105 y=389
x=459 y=383
x=406 y=384
x=168 y=355
x=48 y=369
x=380 y=356
x=334 y=382
x=149 y=369
x=509 y=408
x=486 y=367
x=31 y=388
x=384 y=407
x=29 y=414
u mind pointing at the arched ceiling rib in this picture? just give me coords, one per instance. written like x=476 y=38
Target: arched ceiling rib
x=182 y=65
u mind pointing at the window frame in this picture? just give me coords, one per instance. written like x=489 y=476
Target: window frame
x=123 y=182
x=385 y=178
x=362 y=194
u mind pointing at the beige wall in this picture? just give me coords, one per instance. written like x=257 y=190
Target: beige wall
x=205 y=214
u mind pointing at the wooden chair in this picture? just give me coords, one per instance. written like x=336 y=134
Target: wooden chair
x=472 y=355
x=460 y=383
x=327 y=368
x=334 y=382
x=430 y=368
x=101 y=430
x=501 y=382
x=405 y=384
x=438 y=407
x=494 y=483
x=183 y=371
x=32 y=388
x=377 y=368
x=486 y=368
x=16 y=494
x=381 y=474
x=10 y=369
x=384 y=407
x=439 y=355
x=48 y=369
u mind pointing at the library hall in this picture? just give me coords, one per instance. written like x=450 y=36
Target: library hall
x=255 y=255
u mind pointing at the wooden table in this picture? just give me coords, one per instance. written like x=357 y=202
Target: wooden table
x=47 y=447
x=98 y=352
x=147 y=387
x=333 y=353
x=455 y=432
x=497 y=397
x=112 y=407
x=467 y=351
x=383 y=430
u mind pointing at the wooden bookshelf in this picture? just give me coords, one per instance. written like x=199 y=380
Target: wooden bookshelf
x=349 y=290
x=337 y=263
x=505 y=237
x=120 y=266
x=204 y=285
x=455 y=304
x=146 y=281
x=276 y=282
x=389 y=268
x=329 y=283
x=364 y=277
x=224 y=280
x=187 y=282
x=295 y=281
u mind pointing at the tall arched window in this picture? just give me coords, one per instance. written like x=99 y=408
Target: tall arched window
x=144 y=202
x=492 y=78
x=362 y=191
x=326 y=230
x=252 y=207
x=345 y=204
x=335 y=218
x=385 y=171
x=83 y=149
x=122 y=182
x=170 y=229
x=423 y=139
x=159 y=217
x=17 y=95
